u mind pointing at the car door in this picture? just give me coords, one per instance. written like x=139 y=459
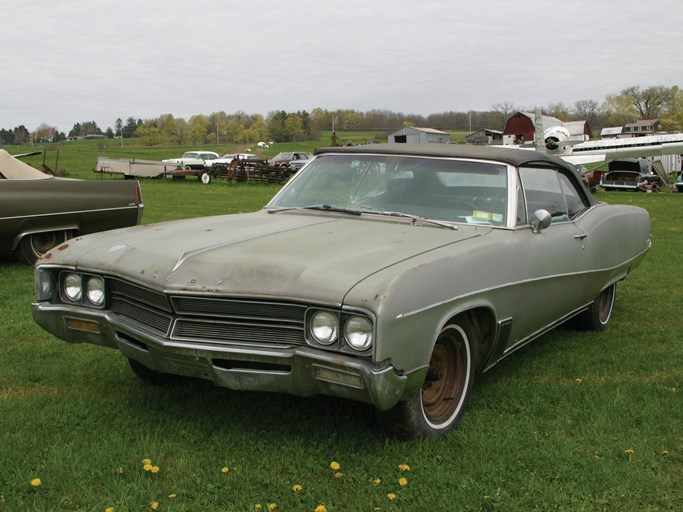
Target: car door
x=557 y=255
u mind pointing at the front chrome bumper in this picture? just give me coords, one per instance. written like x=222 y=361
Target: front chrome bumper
x=296 y=370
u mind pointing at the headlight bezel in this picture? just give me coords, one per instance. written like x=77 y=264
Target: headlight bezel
x=342 y=341
x=83 y=281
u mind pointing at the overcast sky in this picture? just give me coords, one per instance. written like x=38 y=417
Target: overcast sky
x=69 y=61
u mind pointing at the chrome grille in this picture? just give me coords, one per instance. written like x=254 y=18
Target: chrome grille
x=238 y=309
x=234 y=332
x=145 y=306
x=155 y=320
x=210 y=319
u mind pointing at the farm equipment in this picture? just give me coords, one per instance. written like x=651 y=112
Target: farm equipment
x=251 y=171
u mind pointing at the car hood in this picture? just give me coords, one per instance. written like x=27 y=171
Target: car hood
x=308 y=256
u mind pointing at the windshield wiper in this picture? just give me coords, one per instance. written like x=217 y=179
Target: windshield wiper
x=323 y=207
x=417 y=218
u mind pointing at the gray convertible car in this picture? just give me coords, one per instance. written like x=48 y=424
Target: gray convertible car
x=39 y=211
x=389 y=274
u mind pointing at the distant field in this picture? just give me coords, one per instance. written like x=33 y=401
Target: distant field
x=77 y=159
x=576 y=421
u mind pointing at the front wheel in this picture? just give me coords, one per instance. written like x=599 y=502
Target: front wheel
x=33 y=246
x=441 y=402
x=205 y=178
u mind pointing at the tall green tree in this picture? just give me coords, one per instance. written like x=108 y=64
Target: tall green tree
x=197 y=130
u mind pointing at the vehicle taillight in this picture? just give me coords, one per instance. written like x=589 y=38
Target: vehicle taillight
x=138 y=192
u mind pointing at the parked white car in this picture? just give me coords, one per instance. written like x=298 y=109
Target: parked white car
x=194 y=159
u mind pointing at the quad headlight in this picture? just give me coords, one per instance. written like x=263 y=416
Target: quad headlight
x=324 y=327
x=94 y=290
x=83 y=289
x=73 y=287
x=340 y=330
x=358 y=332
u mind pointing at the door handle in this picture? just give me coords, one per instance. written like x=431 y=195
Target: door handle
x=580 y=237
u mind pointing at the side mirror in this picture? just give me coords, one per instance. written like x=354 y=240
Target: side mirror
x=540 y=220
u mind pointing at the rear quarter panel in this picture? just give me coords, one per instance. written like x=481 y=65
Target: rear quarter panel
x=84 y=205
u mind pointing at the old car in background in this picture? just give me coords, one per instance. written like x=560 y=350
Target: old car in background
x=295 y=165
x=285 y=158
x=227 y=159
x=196 y=160
x=39 y=211
x=390 y=274
x=628 y=174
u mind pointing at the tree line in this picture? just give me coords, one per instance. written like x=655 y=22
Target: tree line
x=631 y=104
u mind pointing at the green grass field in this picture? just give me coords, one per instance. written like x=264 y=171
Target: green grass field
x=574 y=422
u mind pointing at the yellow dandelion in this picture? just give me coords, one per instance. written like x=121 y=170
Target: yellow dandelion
x=225 y=469
x=272 y=506
x=665 y=453
x=109 y=509
x=579 y=381
x=403 y=482
x=487 y=498
x=376 y=481
x=146 y=461
x=673 y=390
x=154 y=505
x=335 y=465
x=120 y=471
x=258 y=506
x=320 y=508
x=391 y=496
x=296 y=488
x=36 y=482
x=172 y=496
x=404 y=467
x=147 y=467
x=339 y=474
x=629 y=451
x=154 y=469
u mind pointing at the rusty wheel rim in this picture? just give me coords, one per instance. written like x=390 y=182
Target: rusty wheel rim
x=445 y=381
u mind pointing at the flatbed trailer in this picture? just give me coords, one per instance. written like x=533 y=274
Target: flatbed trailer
x=250 y=171
x=134 y=168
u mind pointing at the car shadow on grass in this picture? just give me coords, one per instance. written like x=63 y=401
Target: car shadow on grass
x=210 y=407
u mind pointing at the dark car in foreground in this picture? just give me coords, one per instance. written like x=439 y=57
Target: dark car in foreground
x=39 y=211
x=389 y=274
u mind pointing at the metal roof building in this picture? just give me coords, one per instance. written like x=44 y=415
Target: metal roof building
x=414 y=135
x=485 y=136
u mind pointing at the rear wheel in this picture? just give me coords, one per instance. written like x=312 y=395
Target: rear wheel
x=36 y=245
x=445 y=391
x=205 y=178
x=598 y=315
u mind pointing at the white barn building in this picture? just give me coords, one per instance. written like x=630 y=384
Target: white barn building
x=414 y=135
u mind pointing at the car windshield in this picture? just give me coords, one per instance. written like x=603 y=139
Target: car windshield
x=440 y=189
